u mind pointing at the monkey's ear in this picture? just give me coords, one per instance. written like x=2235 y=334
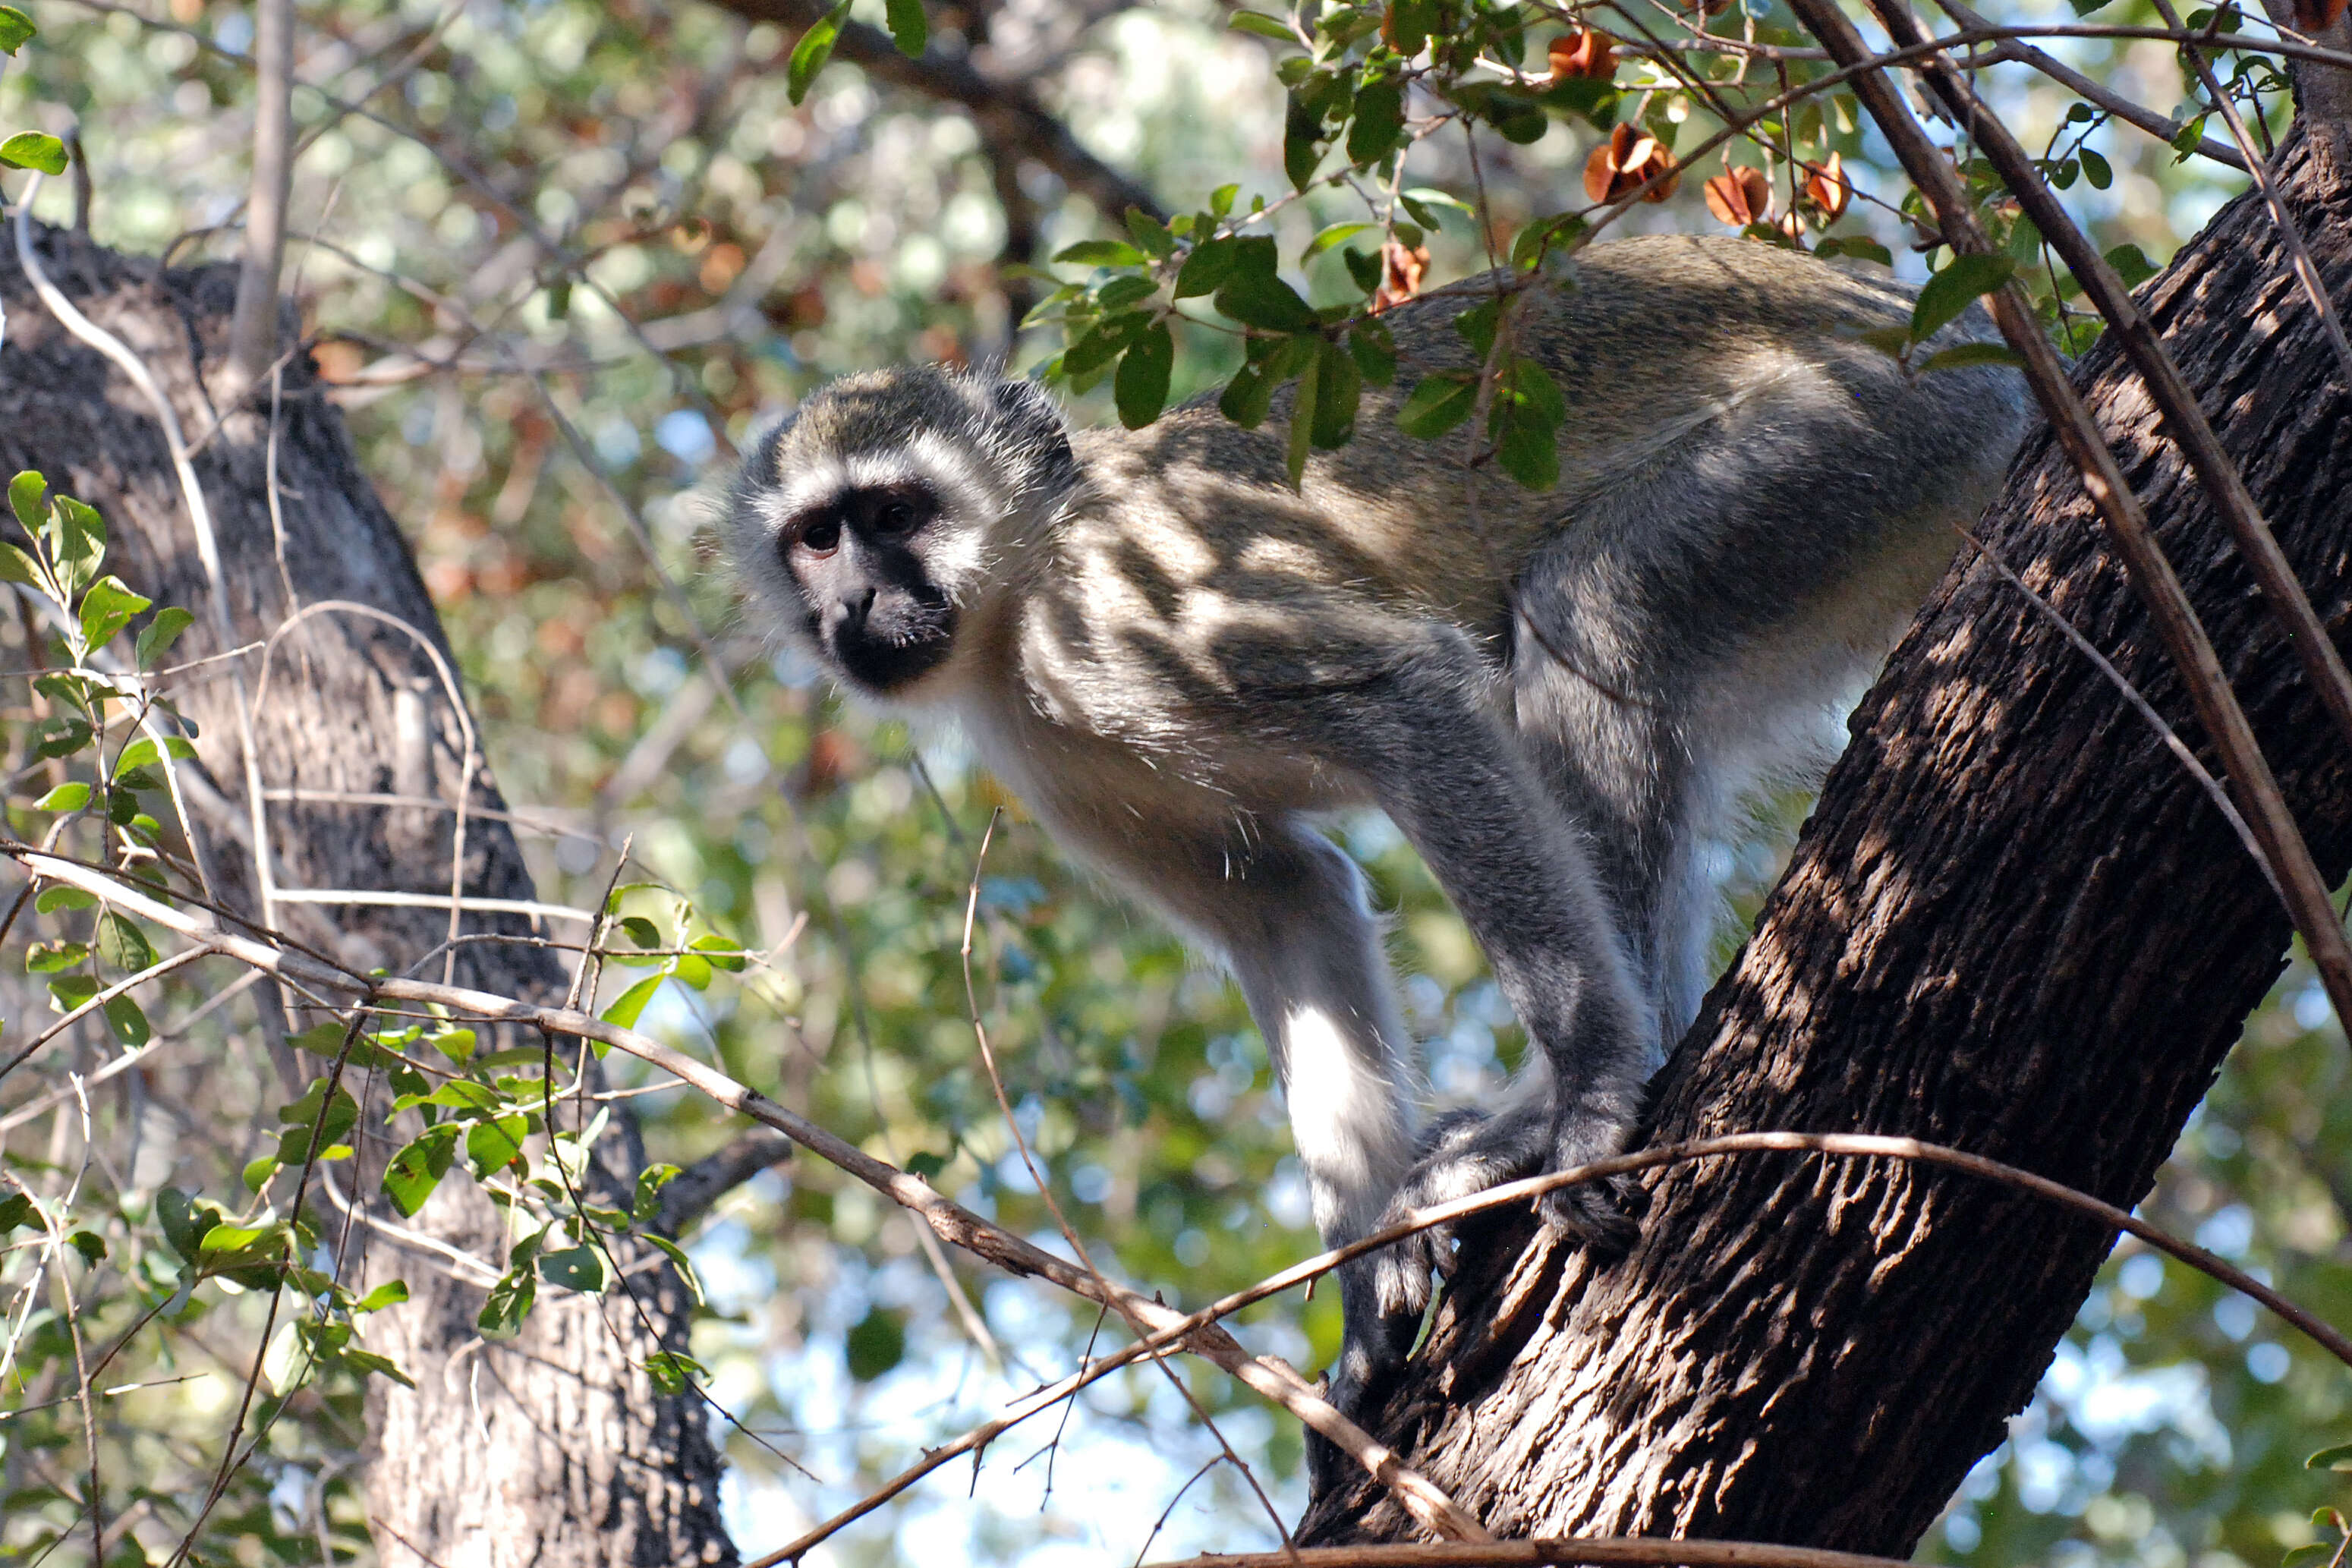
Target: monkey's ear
x=1035 y=420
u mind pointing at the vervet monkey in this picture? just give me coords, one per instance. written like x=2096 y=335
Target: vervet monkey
x=1180 y=664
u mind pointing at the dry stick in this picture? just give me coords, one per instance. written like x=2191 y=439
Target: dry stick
x=192 y=494
x=1270 y=1377
x=1045 y=1191
x=2122 y=108
x=2306 y=271
x=2131 y=694
x=2127 y=521
x=960 y=1227
x=253 y=329
x=2185 y=423
x=457 y=899
x=1196 y=1331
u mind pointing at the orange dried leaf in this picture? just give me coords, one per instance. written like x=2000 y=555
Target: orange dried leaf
x=1401 y=273
x=1628 y=160
x=1740 y=196
x=1828 y=189
x=1583 y=53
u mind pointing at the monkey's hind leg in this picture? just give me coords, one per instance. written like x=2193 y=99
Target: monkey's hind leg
x=1286 y=908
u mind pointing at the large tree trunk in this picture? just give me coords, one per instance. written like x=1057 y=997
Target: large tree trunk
x=2015 y=925
x=552 y=1448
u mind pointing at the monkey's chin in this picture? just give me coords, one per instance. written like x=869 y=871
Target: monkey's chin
x=891 y=669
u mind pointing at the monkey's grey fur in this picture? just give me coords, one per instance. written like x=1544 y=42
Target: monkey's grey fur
x=1180 y=664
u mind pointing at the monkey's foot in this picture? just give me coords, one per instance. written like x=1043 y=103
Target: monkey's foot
x=1372 y=1351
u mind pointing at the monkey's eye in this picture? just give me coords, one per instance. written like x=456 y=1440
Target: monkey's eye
x=895 y=517
x=822 y=537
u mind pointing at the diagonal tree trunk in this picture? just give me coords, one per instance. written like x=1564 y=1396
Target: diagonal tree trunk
x=552 y=1448
x=2015 y=925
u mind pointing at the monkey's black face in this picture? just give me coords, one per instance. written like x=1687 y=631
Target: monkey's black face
x=868 y=595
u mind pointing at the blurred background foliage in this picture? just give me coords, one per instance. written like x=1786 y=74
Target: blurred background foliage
x=510 y=218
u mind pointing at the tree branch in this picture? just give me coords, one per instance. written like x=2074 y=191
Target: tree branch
x=253 y=330
x=693 y=1190
x=1023 y=122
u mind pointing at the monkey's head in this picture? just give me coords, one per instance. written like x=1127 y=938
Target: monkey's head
x=868 y=525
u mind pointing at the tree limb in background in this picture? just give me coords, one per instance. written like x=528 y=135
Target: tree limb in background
x=1022 y=122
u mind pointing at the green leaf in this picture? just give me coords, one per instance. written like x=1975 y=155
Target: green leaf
x=77 y=541
x=1965 y=354
x=1209 y=265
x=1953 y=289
x=2339 y=1457
x=90 y=1245
x=16 y=29
x=877 y=1344
x=1141 y=385
x=909 y=29
x=2306 y=1556
x=1893 y=342
x=1154 y=240
x=71 y=795
x=1254 y=297
x=1339 y=385
x=53 y=957
x=646 y=1204
x=2131 y=264
x=1338 y=234
x=809 y=56
x=26 y=494
x=1858 y=246
x=60 y=897
x=2096 y=169
x=107 y=608
x=673 y=1372
x=1249 y=396
x=1121 y=293
x=156 y=640
x=1525 y=422
x=15 y=567
x=1425 y=202
x=510 y=1299
x=17 y=1211
x=225 y=1239
x=457 y=1045
x=1100 y=252
x=1302 y=422
x=575 y=1268
x=1438 y=404
x=1538 y=239
x=418 y=1168
x=144 y=753
x=34 y=150
x=720 y=953
x=492 y=1146
x=1378 y=122
x=1264 y=27
x=122 y=945
x=1375 y=348
x=1221 y=200
x=677 y=1255
x=391 y=1293
x=626 y=1007
x=1589 y=99
x=258 y=1172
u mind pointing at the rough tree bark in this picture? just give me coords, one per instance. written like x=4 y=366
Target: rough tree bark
x=2014 y=925
x=552 y=1448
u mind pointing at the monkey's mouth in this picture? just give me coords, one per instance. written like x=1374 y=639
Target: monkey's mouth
x=899 y=638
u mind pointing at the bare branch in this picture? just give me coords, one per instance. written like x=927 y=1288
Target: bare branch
x=691 y=1192
x=253 y=330
x=1010 y=112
